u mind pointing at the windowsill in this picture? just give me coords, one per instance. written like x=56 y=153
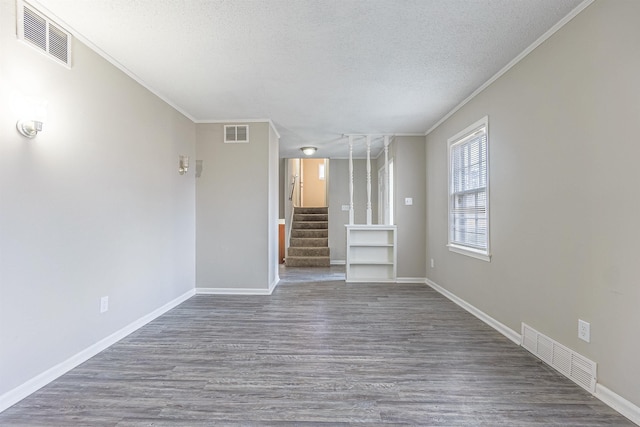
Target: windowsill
x=481 y=255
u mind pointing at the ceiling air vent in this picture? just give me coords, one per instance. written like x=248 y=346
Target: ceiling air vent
x=236 y=134
x=41 y=33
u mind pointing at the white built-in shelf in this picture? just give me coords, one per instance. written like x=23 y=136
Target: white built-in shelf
x=359 y=262
x=371 y=253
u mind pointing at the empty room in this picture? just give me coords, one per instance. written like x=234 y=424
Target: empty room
x=319 y=212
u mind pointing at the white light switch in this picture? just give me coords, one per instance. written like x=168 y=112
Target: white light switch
x=408 y=201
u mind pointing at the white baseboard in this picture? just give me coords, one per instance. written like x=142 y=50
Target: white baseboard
x=12 y=397
x=619 y=403
x=239 y=291
x=410 y=279
x=234 y=291
x=568 y=362
x=609 y=397
x=338 y=262
x=500 y=327
x=274 y=284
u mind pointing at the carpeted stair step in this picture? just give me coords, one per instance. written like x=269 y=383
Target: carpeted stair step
x=307 y=261
x=306 y=225
x=311 y=217
x=309 y=233
x=309 y=242
x=302 y=242
x=318 y=210
x=309 y=251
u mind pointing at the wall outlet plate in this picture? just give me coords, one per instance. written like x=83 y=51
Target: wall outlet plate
x=104 y=304
x=584 y=330
x=345 y=207
x=408 y=201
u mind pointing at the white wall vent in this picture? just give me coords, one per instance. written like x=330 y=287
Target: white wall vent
x=236 y=134
x=41 y=33
x=576 y=367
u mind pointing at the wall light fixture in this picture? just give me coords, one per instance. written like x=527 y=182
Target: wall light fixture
x=183 y=165
x=29 y=128
x=33 y=113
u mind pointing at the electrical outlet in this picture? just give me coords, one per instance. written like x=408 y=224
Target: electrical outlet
x=584 y=330
x=433 y=263
x=408 y=201
x=345 y=207
x=104 y=304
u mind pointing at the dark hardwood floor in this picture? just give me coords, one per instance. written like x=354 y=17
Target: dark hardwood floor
x=316 y=352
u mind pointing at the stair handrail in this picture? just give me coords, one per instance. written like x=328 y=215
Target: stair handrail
x=293 y=186
x=294 y=178
x=289 y=228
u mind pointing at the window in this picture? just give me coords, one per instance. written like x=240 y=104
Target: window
x=469 y=191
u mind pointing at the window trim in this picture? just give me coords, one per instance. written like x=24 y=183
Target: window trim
x=482 y=254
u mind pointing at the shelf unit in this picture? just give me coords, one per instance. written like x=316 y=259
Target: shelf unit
x=371 y=253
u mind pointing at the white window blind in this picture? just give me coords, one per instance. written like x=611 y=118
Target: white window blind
x=469 y=190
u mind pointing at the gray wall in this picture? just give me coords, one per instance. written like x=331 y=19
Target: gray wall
x=339 y=195
x=408 y=154
x=282 y=182
x=93 y=206
x=274 y=185
x=564 y=193
x=236 y=208
x=410 y=181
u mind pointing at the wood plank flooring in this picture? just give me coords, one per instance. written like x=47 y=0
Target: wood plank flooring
x=316 y=352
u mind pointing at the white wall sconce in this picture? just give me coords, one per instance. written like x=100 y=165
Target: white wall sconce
x=34 y=111
x=183 y=165
x=308 y=150
x=29 y=128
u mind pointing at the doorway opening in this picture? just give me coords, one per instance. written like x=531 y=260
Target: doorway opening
x=313 y=182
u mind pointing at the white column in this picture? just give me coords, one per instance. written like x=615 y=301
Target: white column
x=350 y=179
x=387 y=191
x=368 y=179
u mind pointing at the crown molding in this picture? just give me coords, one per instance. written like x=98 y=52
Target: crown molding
x=514 y=61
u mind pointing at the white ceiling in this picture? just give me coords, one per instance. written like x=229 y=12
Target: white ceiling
x=317 y=68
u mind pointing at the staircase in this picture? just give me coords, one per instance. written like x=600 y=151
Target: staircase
x=309 y=244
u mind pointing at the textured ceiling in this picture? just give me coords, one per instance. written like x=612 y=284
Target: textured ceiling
x=317 y=68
